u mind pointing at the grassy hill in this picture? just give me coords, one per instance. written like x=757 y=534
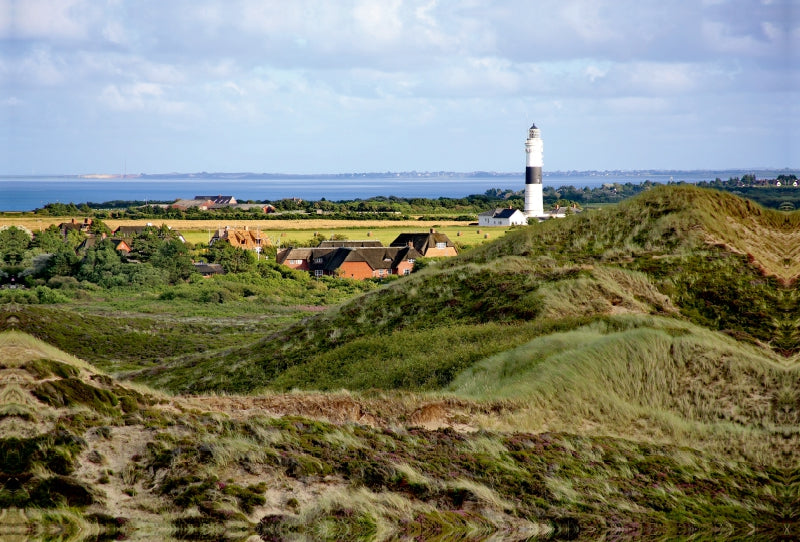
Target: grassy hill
x=85 y=457
x=679 y=252
x=632 y=371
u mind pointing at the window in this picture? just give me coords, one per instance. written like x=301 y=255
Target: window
x=295 y=262
x=406 y=271
x=411 y=260
x=317 y=272
x=317 y=260
x=441 y=245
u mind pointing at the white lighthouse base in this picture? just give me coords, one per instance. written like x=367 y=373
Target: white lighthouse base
x=534 y=201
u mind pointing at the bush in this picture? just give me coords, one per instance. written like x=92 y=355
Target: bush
x=47 y=296
x=63 y=283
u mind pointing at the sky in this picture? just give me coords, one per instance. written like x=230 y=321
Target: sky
x=336 y=86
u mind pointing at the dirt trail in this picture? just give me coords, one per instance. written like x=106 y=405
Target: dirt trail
x=393 y=411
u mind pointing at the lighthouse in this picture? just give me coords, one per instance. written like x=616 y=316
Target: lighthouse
x=534 y=204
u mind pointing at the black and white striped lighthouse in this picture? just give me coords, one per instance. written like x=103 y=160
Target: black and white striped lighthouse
x=534 y=148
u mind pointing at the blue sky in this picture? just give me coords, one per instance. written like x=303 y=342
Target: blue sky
x=316 y=86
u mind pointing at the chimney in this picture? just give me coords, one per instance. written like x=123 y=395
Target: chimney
x=410 y=244
x=433 y=231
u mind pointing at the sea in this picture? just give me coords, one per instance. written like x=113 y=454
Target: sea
x=27 y=193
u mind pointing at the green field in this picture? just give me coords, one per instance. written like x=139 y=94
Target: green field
x=462 y=235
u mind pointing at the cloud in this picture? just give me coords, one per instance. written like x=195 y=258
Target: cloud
x=58 y=20
x=41 y=67
x=141 y=97
x=274 y=67
x=11 y=101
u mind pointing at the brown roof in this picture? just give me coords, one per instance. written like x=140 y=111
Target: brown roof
x=421 y=241
x=332 y=258
x=346 y=243
x=246 y=238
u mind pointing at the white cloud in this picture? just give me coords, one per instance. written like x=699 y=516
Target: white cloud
x=52 y=19
x=593 y=72
x=141 y=97
x=230 y=85
x=351 y=67
x=380 y=21
x=586 y=20
x=12 y=101
x=662 y=78
x=638 y=105
x=41 y=68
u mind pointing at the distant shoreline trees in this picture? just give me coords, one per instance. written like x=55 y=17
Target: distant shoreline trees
x=773 y=193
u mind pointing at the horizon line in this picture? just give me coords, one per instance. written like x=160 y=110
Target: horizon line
x=406 y=173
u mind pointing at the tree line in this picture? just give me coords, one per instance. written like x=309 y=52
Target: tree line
x=57 y=257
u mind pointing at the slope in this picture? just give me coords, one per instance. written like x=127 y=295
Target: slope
x=84 y=457
x=679 y=251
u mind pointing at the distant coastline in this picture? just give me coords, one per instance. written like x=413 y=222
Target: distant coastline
x=722 y=173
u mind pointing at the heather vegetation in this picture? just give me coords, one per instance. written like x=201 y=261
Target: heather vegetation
x=630 y=370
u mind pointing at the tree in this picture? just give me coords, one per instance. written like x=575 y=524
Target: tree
x=173 y=257
x=13 y=244
x=61 y=263
x=102 y=265
x=98 y=227
x=146 y=244
x=49 y=240
x=232 y=259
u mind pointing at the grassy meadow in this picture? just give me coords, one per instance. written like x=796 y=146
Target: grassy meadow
x=627 y=373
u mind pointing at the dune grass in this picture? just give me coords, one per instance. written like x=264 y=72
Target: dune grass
x=654 y=378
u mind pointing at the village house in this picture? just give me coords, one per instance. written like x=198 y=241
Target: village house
x=222 y=201
x=204 y=203
x=122 y=246
x=336 y=243
x=208 y=269
x=184 y=204
x=351 y=262
x=127 y=233
x=74 y=225
x=502 y=217
x=241 y=238
x=219 y=202
x=263 y=207
x=430 y=245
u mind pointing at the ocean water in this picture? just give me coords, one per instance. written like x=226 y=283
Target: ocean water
x=29 y=193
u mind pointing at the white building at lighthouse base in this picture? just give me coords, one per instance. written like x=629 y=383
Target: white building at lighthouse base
x=502 y=217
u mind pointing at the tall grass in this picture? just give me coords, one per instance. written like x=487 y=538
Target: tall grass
x=651 y=377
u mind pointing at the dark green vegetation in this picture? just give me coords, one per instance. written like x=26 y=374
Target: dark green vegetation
x=765 y=192
x=784 y=196
x=629 y=372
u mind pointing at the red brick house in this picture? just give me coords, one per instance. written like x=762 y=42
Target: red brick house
x=351 y=262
